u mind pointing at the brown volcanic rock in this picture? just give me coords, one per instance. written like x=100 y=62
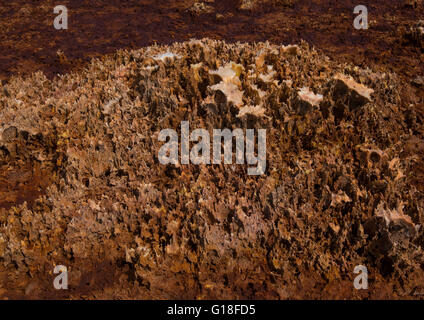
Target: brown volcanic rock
x=336 y=192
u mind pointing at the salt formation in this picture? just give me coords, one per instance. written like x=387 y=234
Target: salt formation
x=309 y=97
x=346 y=82
x=338 y=190
x=167 y=55
x=229 y=76
x=257 y=111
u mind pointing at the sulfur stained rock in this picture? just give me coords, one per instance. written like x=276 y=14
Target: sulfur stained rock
x=337 y=190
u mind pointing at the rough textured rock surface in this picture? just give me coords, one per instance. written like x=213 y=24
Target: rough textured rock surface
x=342 y=187
x=416 y=34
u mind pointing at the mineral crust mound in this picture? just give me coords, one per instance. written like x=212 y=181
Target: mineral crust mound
x=340 y=187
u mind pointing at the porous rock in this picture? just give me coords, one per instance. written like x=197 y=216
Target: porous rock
x=337 y=191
